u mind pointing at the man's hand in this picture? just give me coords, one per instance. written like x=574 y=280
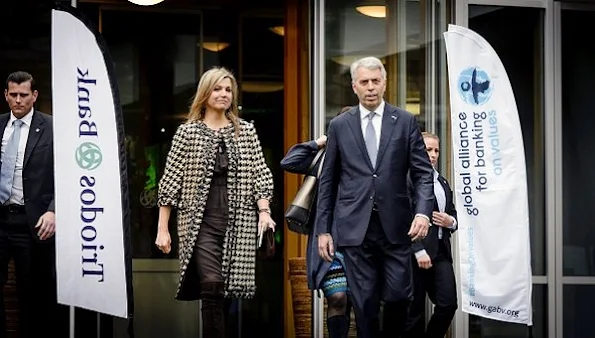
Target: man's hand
x=326 y=248
x=442 y=219
x=46 y=226
x=424 y=262
x=419 y=228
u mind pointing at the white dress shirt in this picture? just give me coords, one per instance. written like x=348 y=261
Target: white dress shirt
x=16 y=197
x=377 y=124
x=440 y=195
x=376 y=120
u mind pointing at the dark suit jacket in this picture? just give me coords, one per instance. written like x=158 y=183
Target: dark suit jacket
x=298 y=160
x=349 y=185
x=38 y=167
x=431 y=242
x=299 y=157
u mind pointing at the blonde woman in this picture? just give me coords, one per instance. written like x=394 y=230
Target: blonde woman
x=217 y=179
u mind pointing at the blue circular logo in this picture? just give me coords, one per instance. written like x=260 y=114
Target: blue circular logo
x=475 y=86
x=88 y=156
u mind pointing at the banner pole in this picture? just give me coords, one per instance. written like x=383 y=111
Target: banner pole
x=73 y=3
x=71 y=321
x=98 y=325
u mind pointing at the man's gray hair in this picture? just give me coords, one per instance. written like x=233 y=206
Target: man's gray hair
x=370 y=63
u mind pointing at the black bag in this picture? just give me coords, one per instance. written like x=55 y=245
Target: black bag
x=297 y=214
x=267 y=249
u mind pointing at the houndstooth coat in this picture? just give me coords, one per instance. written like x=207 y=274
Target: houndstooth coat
x=185 y=186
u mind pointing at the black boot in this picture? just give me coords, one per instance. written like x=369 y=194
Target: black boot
x=213 y=320
x=338 y=326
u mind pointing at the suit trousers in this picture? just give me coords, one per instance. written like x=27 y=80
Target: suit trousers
x=440 y=285
x=39 y=313
x=378 y=270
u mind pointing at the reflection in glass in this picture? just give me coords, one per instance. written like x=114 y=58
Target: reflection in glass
x=261 y=75
x=392 y=31
x=220 y=41
x=156 y=68
x=518 y=46
x=29 y=49
x=577 y=137
x=578 y=311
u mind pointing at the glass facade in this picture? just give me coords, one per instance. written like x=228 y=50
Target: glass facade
x=158 y=68
x=578 y=235
x=405 y=35
x=548 y=68
x=521 y=50
x=159 y=54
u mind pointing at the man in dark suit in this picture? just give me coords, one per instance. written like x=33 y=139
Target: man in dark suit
x=433 y=271
x=363 y=199
x=27 y=220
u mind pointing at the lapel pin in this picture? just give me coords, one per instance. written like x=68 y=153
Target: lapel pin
x=37 y=130
x=393 y=117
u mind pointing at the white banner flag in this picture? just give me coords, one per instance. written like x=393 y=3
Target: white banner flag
x=92 y=238
x=490 y=182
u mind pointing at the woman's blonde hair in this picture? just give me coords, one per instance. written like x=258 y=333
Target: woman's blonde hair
x=206 y=85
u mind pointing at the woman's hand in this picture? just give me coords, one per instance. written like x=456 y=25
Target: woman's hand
x=265 y=222
x=321 y=141
x=442 y=219
x=163 y=241
x=424 y=262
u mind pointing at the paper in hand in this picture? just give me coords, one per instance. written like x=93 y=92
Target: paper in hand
x=260 y=234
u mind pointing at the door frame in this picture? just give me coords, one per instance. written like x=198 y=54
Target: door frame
x=296 y=121
x=155 y=265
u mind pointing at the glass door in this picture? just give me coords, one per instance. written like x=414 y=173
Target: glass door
x=407 y=37
x=521 y=49
x=576 y=235
x=159 y=55
x=549 y=69
x=157 y=68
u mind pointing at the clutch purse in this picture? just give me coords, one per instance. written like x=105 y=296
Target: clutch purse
x=267 y=248
x=297 y=214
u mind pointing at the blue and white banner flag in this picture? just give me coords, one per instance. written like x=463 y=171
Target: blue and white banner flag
x=92 y=216
x=490 y=182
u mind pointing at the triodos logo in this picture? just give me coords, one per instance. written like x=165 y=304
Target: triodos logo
x=475 y=86
x=88 y=156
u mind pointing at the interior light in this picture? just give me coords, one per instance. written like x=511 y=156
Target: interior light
x=372 y=10
x=215 y=46
x=145 y=2
x=279 y=30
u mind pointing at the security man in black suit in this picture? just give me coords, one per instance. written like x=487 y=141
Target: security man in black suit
x=27 y=220
x=433 y=264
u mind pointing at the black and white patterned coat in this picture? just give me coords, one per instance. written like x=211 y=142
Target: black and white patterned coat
x=185 y=186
